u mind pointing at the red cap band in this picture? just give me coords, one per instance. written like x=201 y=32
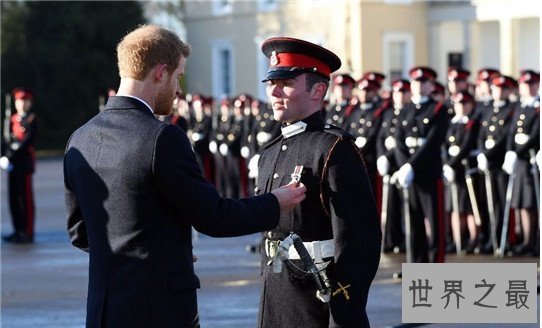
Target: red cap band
x=299 y=60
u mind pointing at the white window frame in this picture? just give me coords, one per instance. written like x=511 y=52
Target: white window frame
x=220 y=9
x=389 y=37
x=216 y=69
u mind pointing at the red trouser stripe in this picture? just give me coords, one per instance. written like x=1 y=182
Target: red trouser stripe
x=29 y=205
x=378 y=193
x=441 y=225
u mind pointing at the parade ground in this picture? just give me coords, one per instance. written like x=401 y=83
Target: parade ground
x=44 y=284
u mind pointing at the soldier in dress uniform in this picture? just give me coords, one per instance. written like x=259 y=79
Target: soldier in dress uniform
x=341 y=104
x=522 y=144
x=483 y=89
x=419 y=136
x=180 y=114
x=199 y=135
x=364 y=123
x=393 y=233
x=337 y=222
x=492 y=144
x=19 y=160
x=461 y=146
x=264 y=129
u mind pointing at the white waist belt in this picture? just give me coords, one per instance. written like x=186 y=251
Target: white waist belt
x=318 y=250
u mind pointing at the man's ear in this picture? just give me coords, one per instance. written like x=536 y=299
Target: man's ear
x=159 y=72
x=318 y=91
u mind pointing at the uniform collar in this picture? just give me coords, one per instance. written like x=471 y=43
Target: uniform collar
x=420 y=100
x=500 y=103
x=313 y=122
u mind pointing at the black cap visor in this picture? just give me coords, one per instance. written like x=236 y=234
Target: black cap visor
x=282 y=73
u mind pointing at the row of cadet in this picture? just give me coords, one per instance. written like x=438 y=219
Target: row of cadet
x=452 y=152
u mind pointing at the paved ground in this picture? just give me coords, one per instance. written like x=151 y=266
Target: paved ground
x=44 y=284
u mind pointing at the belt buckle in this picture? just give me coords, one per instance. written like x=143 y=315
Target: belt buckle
x=272 y=246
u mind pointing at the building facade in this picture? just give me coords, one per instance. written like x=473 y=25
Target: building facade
x=389 y=36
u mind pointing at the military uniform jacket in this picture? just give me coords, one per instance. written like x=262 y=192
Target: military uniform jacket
x=385 y=139
x=338 y=113
x=494 y=132
x=340 y=206
x=264 y=129
x=20 y=147
x=200 y=129
x=461 y=143
x=524 y=131
x=133 y=190
x=364 y=124
x=420 y=133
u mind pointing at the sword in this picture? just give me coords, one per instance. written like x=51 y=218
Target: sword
x=384 y=211
x=536 y=177
x=506 y=218
x=456 y=219
x=406 y=210
x=472 y=195
x=491 y=211
x=320 y=278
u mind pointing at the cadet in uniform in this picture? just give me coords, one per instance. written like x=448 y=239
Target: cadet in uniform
x=522 y=143
x=338 y=221
x=461 y=145
x=19 y=160
x=419 y=136
x=483 y=89
x=364 y=123
x=199 y=134
x=393 y=238
x=492 y=144
x=341 y=105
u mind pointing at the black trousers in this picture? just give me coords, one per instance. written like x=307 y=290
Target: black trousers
x=21 y=202
x=426 y=200
x=394 y=235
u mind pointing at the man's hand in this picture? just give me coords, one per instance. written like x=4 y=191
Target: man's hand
x=289 y=196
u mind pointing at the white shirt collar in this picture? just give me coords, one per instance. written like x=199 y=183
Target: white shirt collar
x=418 y=100
x=134 y=97
x=293 y=129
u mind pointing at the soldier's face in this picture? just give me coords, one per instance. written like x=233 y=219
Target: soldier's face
x=342 y=91
x=528 y=89
x=401 y=97
x=289 y=99
x=421 y=88
x=23 y=105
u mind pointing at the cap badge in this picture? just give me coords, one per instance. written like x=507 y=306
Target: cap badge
x=485 y=74
x=419 y=72
x=274 y=59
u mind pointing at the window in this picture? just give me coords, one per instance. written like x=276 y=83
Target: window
x=222 y=69
x=398 y=54
x=222 y=7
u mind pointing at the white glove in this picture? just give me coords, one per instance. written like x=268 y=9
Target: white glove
x=223 y=149
x=448 y=173
x=482 y=162
x=405 y=175
x=253 y=167
x=539 y=159
x=245 y=152
x=212 y=147
x=509 y=164
x=5 y=164
x=382 y=165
